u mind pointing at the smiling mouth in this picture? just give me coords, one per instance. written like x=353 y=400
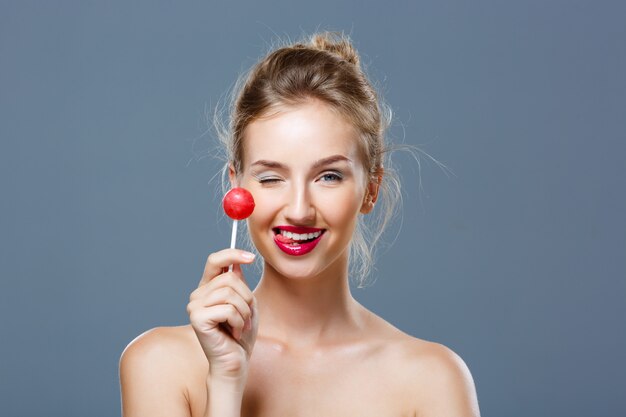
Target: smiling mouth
x=296 y=236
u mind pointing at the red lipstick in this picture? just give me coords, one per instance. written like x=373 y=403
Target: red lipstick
x=296 y=247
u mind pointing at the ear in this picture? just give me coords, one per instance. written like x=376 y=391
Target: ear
x=373 y=188
x=232 y=176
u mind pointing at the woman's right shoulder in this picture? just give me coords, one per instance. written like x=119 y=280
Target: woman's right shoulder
x=157 y=370
x=157 y=341
x=168 y=349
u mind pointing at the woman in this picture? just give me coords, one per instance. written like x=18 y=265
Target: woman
x=307 y=142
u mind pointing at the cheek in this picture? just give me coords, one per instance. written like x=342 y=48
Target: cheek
x=264 y=211
x=340 y=208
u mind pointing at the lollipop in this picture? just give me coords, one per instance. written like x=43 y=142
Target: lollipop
x=238 y=205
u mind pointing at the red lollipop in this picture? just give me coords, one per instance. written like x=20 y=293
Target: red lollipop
x=238 y=203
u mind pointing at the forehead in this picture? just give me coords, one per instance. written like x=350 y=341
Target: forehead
x=302 y=134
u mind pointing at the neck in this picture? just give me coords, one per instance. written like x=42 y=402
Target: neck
x=308 y=312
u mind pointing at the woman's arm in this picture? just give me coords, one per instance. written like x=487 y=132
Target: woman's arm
x=150 y=380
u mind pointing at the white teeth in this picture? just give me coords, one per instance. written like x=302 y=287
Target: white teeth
x=298 y=236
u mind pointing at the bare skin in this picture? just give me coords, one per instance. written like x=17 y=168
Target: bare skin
x=387 y=373
x=310 y=348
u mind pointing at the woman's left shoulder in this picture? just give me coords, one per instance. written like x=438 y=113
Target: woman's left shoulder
x=413 y=351
x=435 y=379
x=442 y=382
x=428 y=355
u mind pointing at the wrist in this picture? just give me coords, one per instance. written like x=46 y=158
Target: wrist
x=226 y=382
x=229 y=374
x=225 y=395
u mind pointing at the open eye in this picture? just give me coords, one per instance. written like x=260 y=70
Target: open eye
x=331 y=176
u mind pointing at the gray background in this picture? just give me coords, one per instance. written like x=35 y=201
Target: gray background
x=517 y=262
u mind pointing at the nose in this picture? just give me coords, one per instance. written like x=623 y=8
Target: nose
x=299 y=209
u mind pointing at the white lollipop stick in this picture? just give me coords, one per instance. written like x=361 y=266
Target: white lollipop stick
x=233 y=239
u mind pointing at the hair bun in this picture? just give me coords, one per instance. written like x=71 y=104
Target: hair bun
x=336 y=43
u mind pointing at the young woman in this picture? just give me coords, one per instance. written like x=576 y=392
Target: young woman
x=307 y=140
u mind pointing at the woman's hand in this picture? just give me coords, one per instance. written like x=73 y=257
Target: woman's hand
x=223 y=314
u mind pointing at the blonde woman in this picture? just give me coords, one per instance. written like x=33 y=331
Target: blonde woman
x=307 y=139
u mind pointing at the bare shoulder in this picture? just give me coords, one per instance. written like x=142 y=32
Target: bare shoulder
x=160 y=346
x=433 y=380
x=441 y=382
x=155 y=369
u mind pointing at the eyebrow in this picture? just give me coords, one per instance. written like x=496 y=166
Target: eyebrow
x=317 y=164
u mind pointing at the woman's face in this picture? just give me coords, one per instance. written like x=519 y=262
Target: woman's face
x=304 y=169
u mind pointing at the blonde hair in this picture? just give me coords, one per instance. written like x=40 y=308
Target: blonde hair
x=324 y=66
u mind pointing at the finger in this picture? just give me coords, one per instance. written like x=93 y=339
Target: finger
x=214 y=315
x=234 y=320
x=221 y=260
x=227 y=295
x=229 y=279
x=217 y=261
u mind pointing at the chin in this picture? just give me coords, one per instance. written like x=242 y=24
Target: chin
x=300 y=269
x=295 y=270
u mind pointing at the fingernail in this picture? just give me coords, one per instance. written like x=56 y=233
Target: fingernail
x=247 y=255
